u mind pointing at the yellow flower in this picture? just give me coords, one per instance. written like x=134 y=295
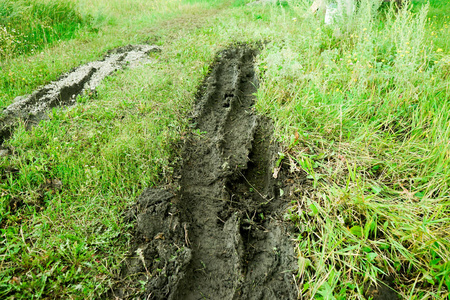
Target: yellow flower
x=439 y=50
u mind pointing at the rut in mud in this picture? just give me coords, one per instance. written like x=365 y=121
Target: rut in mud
x=221 y=235
x=63 y=92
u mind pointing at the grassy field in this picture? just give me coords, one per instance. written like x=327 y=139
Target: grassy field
x=29 y=25
x=362 y=109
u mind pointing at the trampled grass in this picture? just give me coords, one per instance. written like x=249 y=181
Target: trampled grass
x=362 y=112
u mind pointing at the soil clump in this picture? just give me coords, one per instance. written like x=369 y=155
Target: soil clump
x=221 y=235
x=63 y=92
x=383 y=290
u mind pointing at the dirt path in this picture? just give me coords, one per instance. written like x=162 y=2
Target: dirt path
x=221 y=235
x=63 y=92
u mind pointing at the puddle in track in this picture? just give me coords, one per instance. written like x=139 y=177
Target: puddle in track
x=221 y=235
x=63 y=92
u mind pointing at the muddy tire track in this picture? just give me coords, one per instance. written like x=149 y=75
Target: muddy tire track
x=221 y=235
x=63 y=92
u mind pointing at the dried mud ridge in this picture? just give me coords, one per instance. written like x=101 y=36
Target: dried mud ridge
x=221 y=235
x=63 y=92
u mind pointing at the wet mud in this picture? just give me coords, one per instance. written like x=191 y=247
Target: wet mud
x=383 y=290
x=221 y=234
x=63 y=92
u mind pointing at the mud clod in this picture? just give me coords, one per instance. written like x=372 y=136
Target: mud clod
x=63 y=92
x=383 y=290
x=221 y=236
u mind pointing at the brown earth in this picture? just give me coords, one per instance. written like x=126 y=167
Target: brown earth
x=221 y=235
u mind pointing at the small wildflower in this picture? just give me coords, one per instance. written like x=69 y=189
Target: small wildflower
x=364 y=29
x=439 y=50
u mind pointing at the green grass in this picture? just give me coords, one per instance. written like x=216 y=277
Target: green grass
x=68 y=242
x=27 y=26
x=369 y=106
x=362 y=112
